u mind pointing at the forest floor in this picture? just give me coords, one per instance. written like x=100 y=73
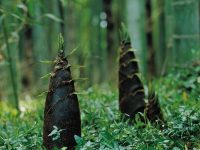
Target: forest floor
x=102 y=128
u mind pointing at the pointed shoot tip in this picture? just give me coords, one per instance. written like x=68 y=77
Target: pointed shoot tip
x=61 y=46
x=125 y=37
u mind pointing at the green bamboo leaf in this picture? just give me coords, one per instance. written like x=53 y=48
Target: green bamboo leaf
x=82 y=93
x=46 y=76
x=17 y=17
x=47 y=62
x=83 y=79
x=78 y=67
x=53 y=17
x=22 y=6
x=74 y=50
x=42 y=94
x=78 y=139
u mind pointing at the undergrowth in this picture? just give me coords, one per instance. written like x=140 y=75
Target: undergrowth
x=102 y=126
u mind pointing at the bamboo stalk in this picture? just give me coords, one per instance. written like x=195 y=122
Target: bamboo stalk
x=11 y=67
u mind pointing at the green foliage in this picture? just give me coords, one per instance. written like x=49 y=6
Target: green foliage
x=24 y=131
x=55 y=134
x=124 y=35
x=185 y=82
x=102 y=127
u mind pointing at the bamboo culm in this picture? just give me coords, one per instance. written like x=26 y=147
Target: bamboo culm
x=11 y=67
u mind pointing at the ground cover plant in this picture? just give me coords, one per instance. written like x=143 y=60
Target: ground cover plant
x=102 y=126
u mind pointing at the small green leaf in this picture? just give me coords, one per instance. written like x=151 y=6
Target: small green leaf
x=72 y=51
x=53 y=132
x=78 y=140
x=46 y=76
x=47 y=62
x=22 y=6
x=53 y=17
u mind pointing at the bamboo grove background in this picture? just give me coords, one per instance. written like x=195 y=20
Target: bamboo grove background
x=165 y=33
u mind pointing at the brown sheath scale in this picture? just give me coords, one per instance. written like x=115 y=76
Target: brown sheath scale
x=61 y=107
